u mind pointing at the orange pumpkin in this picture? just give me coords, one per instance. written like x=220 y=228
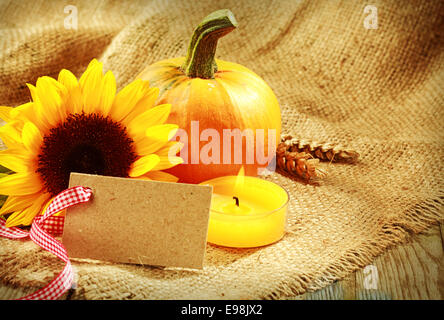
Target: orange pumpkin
x=222 y=96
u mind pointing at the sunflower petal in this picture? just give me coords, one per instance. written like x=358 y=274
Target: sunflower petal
x=16 y=218
x=22 y=112
x=31 y=112
x=49 y=96
x=68 y=79
x=33 y=91
x=162 y=131
x=35 y=112
x=143 y=165
x=4 y=113
x=91 y=66
x=9 y=134
x=171 y=148
x=108 y=93
x=91 y=86
x=31 y=137
x=15 y=160
x=156 y=138
x=20 y=184
x=17 y=203
x=25 y=216
x=154 y=116
x=167 y=162
x=128 y=98
x=144 y=177
x=74 y=97
x=145 y=103
x=161 y=176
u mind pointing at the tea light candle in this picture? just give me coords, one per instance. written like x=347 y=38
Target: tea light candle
x=246 y=211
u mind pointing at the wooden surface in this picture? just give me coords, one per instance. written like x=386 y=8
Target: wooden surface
x=413 y=271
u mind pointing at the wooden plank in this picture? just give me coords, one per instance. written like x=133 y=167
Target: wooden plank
x=349 y=287
x=339 y=290
x=410 y=271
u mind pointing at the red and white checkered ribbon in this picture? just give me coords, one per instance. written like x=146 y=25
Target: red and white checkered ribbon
x=39 y=234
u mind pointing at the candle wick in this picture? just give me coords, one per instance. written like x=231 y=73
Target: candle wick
x=237 y=201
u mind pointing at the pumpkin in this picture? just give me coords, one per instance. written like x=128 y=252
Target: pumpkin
x=213 y=103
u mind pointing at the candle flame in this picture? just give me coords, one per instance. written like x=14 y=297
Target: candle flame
x=238 y=185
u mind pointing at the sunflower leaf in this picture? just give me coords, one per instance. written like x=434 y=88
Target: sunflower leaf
x=4 y=170
x=2 y=200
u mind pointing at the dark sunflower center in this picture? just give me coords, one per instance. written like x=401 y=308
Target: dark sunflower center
x=86 y=159
x=84 y=143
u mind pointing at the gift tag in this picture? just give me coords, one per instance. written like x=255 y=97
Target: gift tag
x=139 y=221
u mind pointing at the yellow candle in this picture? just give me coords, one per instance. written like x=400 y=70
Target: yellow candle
x=246 y=212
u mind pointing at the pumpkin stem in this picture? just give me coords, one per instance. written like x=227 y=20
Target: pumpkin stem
x=200 y=61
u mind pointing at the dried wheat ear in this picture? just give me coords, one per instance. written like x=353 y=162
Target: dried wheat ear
x=301 y=158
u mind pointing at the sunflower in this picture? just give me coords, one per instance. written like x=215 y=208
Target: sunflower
x=81 y=126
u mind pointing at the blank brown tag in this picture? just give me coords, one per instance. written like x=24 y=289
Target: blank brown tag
x=139 y=221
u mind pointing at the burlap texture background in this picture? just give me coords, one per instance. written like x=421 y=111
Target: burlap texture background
x=377 y=91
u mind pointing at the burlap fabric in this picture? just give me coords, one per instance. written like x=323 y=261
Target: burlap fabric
x=378 y=91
